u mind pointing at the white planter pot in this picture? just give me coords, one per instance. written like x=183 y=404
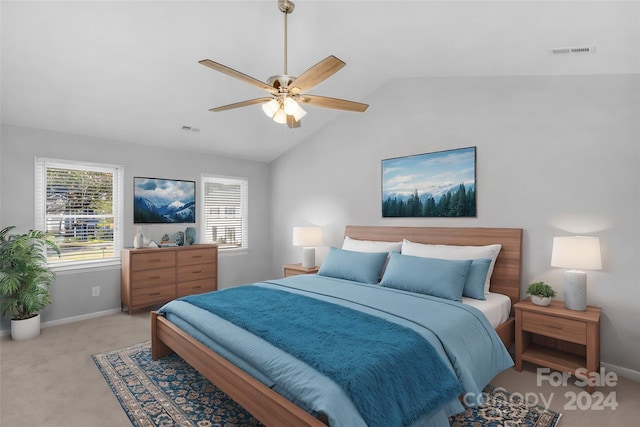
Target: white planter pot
x=540 y=300
x=25 y=329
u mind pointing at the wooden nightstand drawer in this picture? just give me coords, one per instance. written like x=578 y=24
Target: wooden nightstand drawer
x=556 y=327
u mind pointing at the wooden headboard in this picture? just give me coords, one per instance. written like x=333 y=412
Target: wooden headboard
x=506 y=273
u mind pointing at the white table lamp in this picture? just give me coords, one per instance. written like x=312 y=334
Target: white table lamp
x=307 y=237
x=576 y=253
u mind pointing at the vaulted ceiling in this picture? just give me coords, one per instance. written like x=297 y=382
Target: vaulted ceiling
x=128 y=70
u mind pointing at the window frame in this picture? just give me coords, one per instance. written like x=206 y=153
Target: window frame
x=40 y=195
x=244 y=210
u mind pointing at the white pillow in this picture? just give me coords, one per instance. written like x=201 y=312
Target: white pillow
x=350 y=244
x=453 y=252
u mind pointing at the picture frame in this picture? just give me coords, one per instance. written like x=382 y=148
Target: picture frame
x=163 y=201
x=438 y=184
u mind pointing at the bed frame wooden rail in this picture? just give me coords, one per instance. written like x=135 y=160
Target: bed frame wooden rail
x=270 y=407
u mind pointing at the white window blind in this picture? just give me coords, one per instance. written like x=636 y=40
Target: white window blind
x=225 y=211
x=82 y=205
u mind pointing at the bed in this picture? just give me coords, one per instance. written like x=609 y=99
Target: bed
x=269 y=406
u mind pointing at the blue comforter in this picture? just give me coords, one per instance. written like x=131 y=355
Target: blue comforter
x=392 y=375
x=460 y=334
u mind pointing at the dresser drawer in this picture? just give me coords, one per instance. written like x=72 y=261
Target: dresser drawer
x=196 y=272
x=159 y=276
x=153 y=295
x=196 y=287
x=149 y=260
x=197 y=256
x=556 y=327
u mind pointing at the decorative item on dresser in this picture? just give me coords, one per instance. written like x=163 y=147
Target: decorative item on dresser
x=558 y=338
x=157 y=275
x=289 y=270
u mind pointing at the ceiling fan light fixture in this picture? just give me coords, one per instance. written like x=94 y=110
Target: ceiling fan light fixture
x=280 y=117
x=286 y=91
x=292 y=108
x=299 y=113
x=270 y=108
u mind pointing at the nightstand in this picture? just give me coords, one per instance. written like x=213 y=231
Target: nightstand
x=289 y=270
x=558 y=338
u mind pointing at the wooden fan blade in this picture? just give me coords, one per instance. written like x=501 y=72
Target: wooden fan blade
x=241 y=104
x=237 y=74
x=335 y=103
x=292 y=122
x=316 y=74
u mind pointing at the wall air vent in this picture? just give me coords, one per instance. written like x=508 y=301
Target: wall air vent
x=573 y=50
x=190 y=129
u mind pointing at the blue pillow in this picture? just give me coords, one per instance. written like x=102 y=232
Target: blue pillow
x=361 y=267
x=431 y=276
x=474 y=286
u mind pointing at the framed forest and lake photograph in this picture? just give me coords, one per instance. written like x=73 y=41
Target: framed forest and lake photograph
x=439 y=184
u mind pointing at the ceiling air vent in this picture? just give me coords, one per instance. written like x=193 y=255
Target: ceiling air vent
x=190 y=129
x=574 y=50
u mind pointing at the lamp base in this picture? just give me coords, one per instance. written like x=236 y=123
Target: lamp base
x=308 y=257
x=575 y=290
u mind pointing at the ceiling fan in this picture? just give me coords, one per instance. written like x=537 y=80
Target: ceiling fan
x=288 y=92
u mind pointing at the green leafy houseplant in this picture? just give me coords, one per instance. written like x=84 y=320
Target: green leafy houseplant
x=541 y=289
x=24 y=275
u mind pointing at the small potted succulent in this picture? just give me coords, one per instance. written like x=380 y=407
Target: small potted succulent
x=541 y=293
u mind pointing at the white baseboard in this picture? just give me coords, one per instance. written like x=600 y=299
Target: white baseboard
x=73 y=319
x=623 y=372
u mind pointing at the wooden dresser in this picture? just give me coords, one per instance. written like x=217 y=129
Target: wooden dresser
x=153 y=276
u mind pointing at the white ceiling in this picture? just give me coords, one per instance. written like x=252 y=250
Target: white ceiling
x=128 y=70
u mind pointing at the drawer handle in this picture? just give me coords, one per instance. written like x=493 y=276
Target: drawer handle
x=553 y=326
x=154 y=277
x=196 y=287
x=155 y=260
x=196 y=272
x=196 y=256
x=154 y=294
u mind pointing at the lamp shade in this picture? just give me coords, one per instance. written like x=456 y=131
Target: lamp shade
x=307 y=236
x=577 y=252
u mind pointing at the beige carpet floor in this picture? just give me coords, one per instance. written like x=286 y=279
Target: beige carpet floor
x=52 y=381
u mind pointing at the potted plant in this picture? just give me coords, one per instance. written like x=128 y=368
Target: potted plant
x=25 y=279
x=541 y=293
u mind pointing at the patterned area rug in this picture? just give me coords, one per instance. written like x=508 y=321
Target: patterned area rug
x=168 y=393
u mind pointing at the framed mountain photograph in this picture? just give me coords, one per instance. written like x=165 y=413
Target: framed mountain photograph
x=439 y=184
x=163 y=201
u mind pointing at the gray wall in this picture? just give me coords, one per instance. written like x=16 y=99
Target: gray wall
x=555 y=156
x=71 y=291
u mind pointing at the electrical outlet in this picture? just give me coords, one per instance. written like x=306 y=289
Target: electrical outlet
x=95 y=291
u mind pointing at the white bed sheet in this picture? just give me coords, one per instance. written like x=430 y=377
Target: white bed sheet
x=496 y=307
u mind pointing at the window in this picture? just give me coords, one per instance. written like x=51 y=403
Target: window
x=225 y=212
x=82 y=205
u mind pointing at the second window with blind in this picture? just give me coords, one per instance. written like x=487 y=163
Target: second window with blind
x=225 y=212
